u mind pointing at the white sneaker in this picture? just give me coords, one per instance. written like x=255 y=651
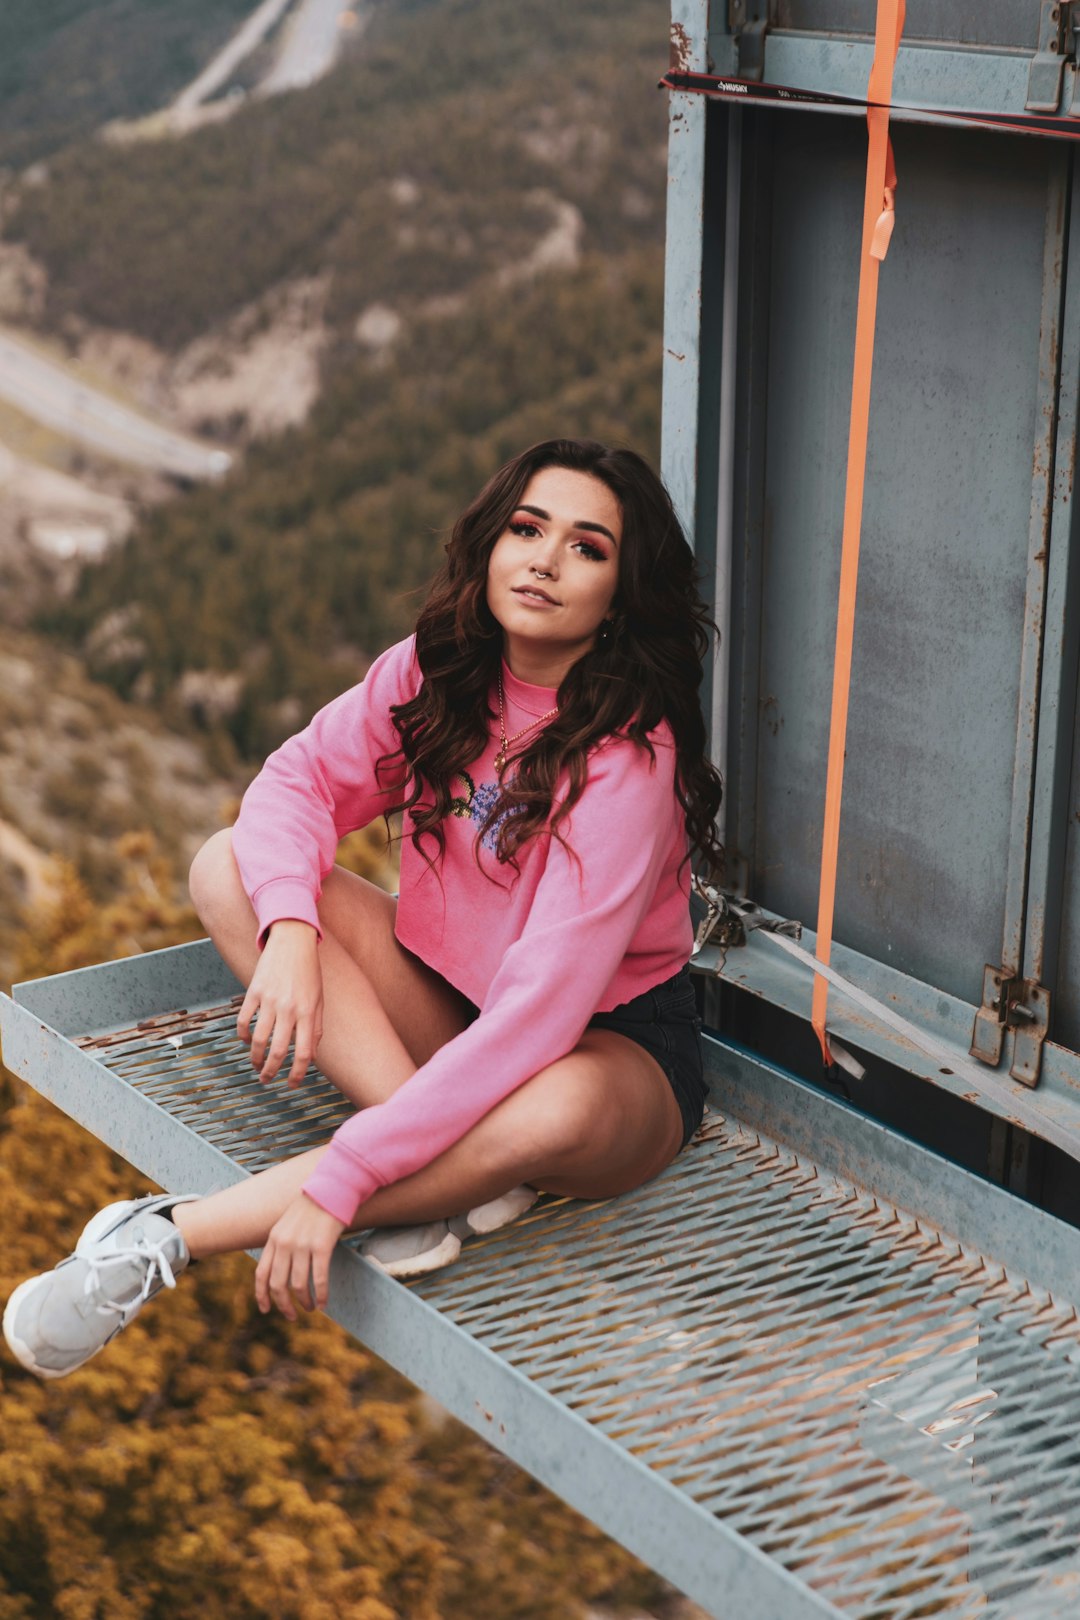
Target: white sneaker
x=411 y=1251
x=125 y=1255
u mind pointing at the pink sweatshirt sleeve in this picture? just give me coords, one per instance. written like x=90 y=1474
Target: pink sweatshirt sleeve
x=549 y=984
x=317 y=787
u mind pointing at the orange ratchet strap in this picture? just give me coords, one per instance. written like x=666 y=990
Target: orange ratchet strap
x=878 y=219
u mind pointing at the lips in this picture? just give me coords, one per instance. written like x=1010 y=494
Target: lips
x=535 y=593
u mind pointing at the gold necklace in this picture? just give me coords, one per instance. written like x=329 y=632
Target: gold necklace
x=504 y=740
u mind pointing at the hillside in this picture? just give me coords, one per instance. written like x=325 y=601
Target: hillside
x=279 y=584
x=418 y=165
x=483 y=235
x=80 y=771
x=68 y=66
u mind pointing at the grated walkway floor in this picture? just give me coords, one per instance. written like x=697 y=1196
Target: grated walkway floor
x=882 y=1411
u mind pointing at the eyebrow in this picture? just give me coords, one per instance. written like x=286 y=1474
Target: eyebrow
x=592 y=528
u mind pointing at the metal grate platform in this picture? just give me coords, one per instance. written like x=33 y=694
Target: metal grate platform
x=789 y=1393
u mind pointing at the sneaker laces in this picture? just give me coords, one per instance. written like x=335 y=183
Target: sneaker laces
x=159 y=1267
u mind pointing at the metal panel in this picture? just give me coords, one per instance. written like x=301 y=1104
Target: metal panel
x=960 y=23
x=730 y=153
x=793 y=1394
x=940 y=67
x=1042 y=494
x=1052 y=950
x=926 y=76
x=112 y=994
x=747 y=497
x=955 y=421
x=683 y=265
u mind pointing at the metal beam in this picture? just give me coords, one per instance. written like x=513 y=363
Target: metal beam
x=683 y=265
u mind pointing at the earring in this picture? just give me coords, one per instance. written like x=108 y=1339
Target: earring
x=607 y=630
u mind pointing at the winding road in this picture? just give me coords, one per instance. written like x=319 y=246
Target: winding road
x=311 y=39
x=218 y=72
x=45 y=391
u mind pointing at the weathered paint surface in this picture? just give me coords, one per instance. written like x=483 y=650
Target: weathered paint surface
x=1042 y=459
x=683 y=264
x=681 y=53
x=935 y=801
x=1052 y=925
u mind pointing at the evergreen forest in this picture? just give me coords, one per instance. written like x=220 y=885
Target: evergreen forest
x=312 y=556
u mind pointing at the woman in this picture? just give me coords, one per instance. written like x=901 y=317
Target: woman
x=521 y=1018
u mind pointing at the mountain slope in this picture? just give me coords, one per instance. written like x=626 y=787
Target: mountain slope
x=68 y=66
x=481 y=107
x=487 y=227
x=311 y=558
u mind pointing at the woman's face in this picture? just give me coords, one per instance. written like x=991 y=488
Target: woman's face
x=553 y=573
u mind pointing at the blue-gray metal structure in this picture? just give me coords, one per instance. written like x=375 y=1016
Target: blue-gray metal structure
x=816 y=1368
x=958 y=840
x=812 y=1370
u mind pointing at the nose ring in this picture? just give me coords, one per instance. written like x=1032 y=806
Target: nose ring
x=541 y=573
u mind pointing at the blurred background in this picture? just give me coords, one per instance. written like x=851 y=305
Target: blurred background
x=280 y=285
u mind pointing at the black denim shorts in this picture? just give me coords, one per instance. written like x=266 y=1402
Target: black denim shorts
x=665 y=1022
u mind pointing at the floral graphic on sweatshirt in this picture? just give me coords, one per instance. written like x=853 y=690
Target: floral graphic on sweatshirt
x=477 y=803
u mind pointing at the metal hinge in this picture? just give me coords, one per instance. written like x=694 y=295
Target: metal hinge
x=1021 y=1005
x=1057 y=45
x=748 y=21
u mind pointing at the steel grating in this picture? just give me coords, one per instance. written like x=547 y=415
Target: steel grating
x=874 y=1405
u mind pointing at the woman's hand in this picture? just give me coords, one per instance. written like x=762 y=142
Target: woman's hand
x=286 y=992
x=297 y=1256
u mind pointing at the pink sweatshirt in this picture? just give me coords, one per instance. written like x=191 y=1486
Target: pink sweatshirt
x=539 y=954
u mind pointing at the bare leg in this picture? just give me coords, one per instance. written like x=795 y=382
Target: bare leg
x=562 y=1131
x=385 y=1012
x=598 y=1122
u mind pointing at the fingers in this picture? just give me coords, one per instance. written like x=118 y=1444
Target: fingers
x=296 y=1259
x=270 y=1029
x=285 y=1270
x=308 y=1036
x=256 y=1023
x=269 y=1032
x=320 y=1276
x=262 y=1277
x=300 y=1278
x=277 y=1044
x=247 y=1013
x=278 y=1265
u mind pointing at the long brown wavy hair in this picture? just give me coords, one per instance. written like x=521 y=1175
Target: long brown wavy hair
x=648 y=669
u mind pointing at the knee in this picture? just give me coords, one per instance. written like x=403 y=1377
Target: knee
x=570 y=1114
x=213 y=877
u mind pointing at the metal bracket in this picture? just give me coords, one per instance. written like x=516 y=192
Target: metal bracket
x=1023 y=1006
x=1029 y=1016
x=1057 y=45
x=748 y=21
x=988 y=1035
